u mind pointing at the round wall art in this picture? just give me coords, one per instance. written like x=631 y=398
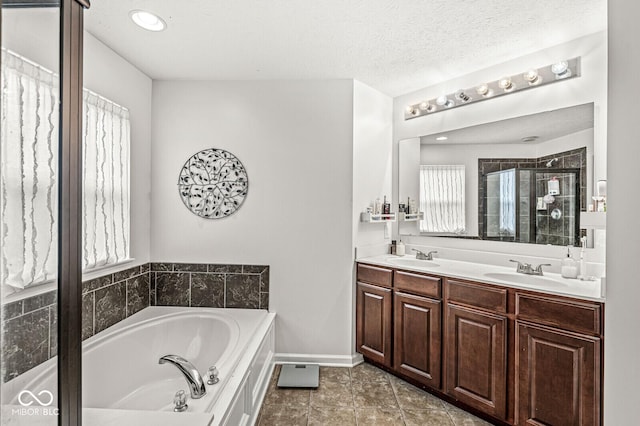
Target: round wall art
x=213 y=183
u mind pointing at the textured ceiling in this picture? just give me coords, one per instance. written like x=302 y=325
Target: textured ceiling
x=395 y=46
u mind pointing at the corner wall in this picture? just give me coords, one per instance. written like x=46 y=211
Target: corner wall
x=295 y=140
x=622 y=316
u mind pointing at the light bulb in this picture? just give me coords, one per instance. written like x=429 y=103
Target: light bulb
x=460 y=95
x=561 y=69
x=442 y=100
x=532 y=77
x=506 y=84
x=484 y=90
x=147 y=20
x=410 y=110
x=426 y=106
x=449 y=103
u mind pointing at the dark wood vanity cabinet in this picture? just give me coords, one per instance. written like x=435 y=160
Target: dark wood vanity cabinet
x=558 y=361
x=476 y=346
x=417 y=328
x=374 y=319
x=518 y=356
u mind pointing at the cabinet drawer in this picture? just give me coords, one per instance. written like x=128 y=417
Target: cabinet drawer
x=490 y=298
x=374 y=275
x=415 y=283
x=582 y=317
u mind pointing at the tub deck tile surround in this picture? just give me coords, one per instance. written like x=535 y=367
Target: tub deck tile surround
x=341 y=400
x=30 y=325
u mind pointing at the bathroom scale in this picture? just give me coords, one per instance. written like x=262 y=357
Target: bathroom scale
x=299 y=376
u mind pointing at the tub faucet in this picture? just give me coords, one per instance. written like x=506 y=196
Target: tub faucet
x=190 y=373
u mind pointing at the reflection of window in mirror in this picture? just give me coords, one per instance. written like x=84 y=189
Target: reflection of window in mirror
x=501 y=204
x=442 y=199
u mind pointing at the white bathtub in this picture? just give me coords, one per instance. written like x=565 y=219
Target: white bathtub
x=124 y=384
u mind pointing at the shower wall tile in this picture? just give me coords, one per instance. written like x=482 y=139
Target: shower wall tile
x=137 y=293
x=26 y=343
x=110 y=306
x=222 y=285
x=172 y=288
x=39 y=301
x=243 y=291
x=87 y=315
x=207 y=290
x=190 y=267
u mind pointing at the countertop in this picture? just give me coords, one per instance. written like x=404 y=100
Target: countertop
x=550 y=283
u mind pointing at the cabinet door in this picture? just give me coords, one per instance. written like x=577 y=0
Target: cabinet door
x=417 y=341
x=557 y=377
x=373 y=323
x=476 y=359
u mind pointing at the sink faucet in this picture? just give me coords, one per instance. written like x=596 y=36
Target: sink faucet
x=422 y=256
x=194 y=379
x=526 y=268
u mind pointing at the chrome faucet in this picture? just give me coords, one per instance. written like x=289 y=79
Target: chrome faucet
x=422 y=256
x=190 y=373
x=526 y=268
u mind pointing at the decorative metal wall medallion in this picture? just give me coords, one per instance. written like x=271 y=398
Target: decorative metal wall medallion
x=213 y=183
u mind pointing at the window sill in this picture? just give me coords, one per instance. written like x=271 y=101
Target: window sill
x=49 y=285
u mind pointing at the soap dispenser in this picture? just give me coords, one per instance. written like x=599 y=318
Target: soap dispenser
x=400 y=248
x=569 y=266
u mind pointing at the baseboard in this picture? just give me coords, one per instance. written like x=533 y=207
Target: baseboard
x=324 y=360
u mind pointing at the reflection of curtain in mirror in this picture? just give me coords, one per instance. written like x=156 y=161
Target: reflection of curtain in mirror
x=508 y=203
x=29 y=140
x=29 y=167
x=442 y=199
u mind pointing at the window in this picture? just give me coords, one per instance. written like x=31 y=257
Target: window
x=442 y=199
x=29 y=171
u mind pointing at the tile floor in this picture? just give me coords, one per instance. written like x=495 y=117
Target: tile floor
x=362 y=395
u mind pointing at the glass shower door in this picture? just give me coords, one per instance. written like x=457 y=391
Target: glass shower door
x=29 y=211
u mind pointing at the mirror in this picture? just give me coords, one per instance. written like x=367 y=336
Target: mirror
x=526 y=179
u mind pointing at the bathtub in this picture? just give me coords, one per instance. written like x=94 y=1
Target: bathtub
x=124 y=384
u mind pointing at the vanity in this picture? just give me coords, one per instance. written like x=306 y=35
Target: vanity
x=516 y=349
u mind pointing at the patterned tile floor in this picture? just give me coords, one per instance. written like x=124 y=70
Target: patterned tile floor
x=363 y=395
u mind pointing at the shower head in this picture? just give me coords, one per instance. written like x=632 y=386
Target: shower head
x=550 y=162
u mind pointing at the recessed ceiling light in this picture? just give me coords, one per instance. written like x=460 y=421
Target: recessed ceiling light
x=147 y=20
x=442 y=138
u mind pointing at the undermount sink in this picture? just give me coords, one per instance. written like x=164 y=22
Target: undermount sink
x=535 y=280
x=404 y=261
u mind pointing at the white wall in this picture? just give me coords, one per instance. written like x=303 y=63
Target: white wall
x=589 y=87
x=622 y=315
x=372 y=132
x=295 y=141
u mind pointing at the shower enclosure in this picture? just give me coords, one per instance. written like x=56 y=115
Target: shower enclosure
x=537 y=206
x=41 y=186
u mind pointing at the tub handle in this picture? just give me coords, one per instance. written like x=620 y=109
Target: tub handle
x=180 y=400
x=212 y=375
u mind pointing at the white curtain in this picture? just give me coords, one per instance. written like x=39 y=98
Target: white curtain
x=29 y=153
x=105 y=182
x=508 y=203
x=29 y=169
x=442 y=199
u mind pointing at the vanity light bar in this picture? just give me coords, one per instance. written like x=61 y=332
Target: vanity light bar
x=535 y=77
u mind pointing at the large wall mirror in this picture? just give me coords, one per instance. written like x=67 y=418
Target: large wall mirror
x=525 y=179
